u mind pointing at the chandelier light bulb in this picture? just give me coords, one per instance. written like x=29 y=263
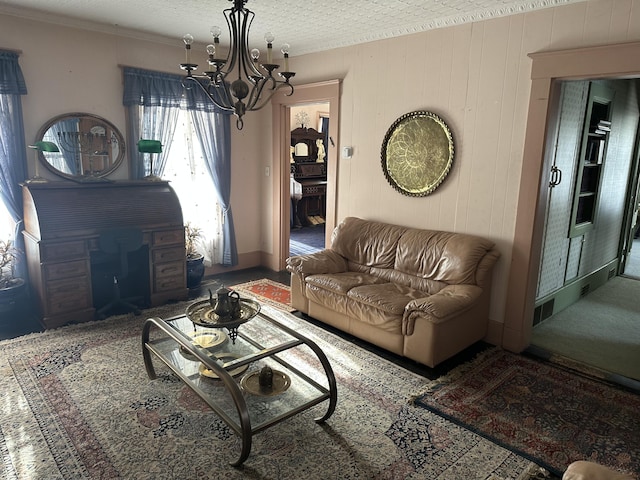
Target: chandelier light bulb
x=188 y=40
x=255 y=54
x=285 y=52
x=269 y=38
x=216 y=32
x=211 y=51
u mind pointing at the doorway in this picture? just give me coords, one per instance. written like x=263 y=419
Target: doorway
x=583 y=254
x=326 y=93
x=310 y=141
x=605 y=61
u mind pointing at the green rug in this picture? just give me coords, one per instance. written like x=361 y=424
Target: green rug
x=540 y=411
x=77 y=404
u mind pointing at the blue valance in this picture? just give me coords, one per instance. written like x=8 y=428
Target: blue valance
x=158 y=89
x=152 y=89
x=11 y=79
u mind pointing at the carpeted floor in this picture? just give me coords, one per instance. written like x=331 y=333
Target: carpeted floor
x=602 y=329
x=77 y=403
x=541 y=411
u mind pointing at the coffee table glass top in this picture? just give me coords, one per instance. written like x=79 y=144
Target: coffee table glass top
x=299 y=379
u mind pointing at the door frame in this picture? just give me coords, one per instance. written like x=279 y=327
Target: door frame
x=608 y=61
x=633 y=194
x=321 y=92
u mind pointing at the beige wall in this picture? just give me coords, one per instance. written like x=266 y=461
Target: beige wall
x=475 y=76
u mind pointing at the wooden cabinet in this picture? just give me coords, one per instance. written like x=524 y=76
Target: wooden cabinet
x=310 y=173
x=63 y=222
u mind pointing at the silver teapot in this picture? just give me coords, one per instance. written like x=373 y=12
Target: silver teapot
x=226 y=304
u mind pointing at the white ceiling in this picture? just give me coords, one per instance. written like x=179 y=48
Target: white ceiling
x=309 y=25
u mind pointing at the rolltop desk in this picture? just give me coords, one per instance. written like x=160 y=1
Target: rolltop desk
x=63 y=222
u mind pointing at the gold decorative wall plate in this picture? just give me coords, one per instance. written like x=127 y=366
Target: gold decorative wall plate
x=417 y=153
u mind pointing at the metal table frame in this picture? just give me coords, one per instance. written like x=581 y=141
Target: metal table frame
x=244 y=429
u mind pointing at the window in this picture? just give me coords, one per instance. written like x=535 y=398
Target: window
x=7 y=225
x=185 y=169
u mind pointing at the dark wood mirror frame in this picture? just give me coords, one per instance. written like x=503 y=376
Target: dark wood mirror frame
x=90 y=147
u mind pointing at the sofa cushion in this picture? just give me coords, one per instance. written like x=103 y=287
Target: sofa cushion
x=388 y=297
x=585 y=470
x=447 y=257
x=372 y=244
x=342 y=282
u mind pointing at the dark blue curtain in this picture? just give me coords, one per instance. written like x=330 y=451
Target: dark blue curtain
x=13 y=155
x=144 y=88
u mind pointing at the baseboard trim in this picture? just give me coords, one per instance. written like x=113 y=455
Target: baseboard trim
x=572 y=292
x=494 y=333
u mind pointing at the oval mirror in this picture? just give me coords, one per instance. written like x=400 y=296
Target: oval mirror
x=80 y=146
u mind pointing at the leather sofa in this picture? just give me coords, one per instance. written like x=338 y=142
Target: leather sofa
x=421 y=294
x=584 y=470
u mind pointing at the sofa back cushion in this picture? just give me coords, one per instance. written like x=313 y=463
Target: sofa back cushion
x=410 y=254
x=371 y=244
x=452 y=258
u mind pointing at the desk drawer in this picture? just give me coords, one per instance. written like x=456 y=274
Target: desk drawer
x=165 y=284
x=168 y=237
x=68 y=295
x=57 y=271
x=170 y=275
x=170 y=269
x=61 y=251
x=163 y=255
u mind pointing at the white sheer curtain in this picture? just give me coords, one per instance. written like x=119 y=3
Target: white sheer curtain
x=186 y=170
x=7 y=224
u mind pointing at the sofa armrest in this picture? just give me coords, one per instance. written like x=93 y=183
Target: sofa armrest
x=324 y=261
x=438 y=307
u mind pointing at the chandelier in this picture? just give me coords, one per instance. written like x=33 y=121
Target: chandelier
x=236 y=83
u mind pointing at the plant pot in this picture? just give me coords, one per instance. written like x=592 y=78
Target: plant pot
x=11 y=296
x=195 y=271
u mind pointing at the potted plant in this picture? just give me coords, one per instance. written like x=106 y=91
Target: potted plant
x=11 y=287
x=195 y=260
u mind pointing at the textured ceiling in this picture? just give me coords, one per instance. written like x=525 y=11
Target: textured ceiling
x=309 y=26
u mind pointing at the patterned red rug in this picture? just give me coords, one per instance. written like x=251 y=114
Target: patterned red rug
x=540 y=411
x=267 y=291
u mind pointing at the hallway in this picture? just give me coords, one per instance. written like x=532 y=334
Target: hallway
x=601 y=331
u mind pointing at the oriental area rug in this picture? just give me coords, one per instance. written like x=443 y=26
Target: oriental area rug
x=540 y=411
x=267 y=291
x=77 y=404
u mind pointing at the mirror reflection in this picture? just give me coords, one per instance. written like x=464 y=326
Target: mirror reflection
x=88 y=146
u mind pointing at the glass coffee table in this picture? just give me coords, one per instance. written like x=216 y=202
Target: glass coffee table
x=226 y=374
